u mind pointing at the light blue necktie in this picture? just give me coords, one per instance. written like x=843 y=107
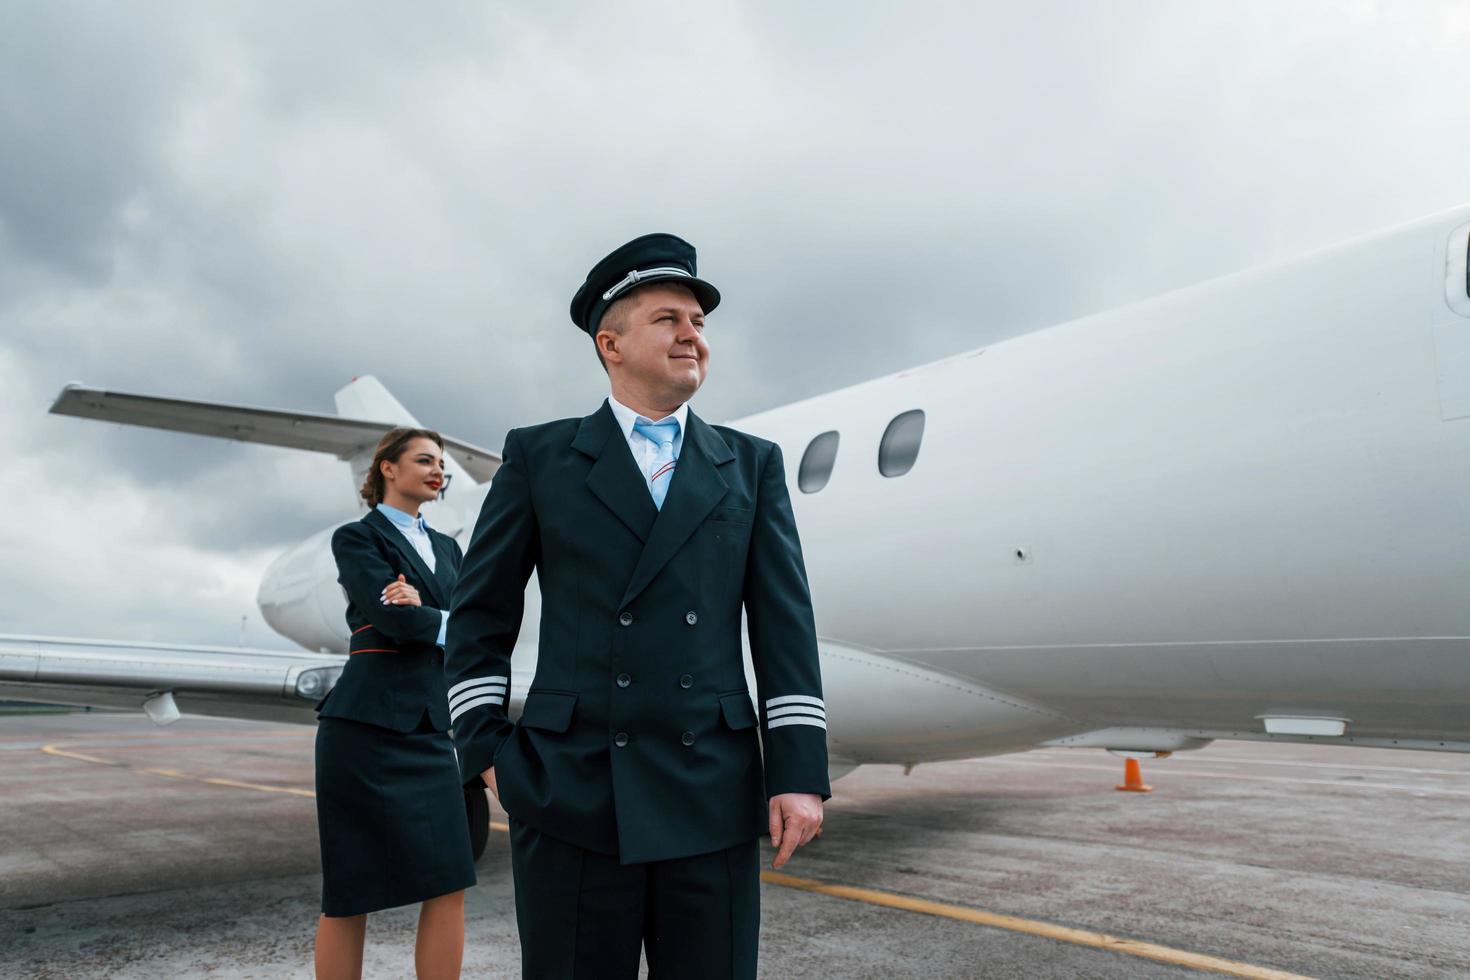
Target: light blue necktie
x=661 y=470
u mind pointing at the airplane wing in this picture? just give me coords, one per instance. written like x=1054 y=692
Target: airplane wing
x=343 y=437
x=230 y=682
x=225 y=682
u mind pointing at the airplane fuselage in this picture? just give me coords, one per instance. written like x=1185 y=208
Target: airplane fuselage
x=1241 y=500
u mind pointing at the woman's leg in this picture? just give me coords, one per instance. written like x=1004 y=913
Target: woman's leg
x=440 y=946
x=339 y=946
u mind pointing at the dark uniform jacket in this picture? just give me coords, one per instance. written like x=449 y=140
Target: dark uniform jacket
x=396 y=669
x=638 y=736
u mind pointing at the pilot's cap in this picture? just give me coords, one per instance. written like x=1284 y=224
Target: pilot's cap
x=650 y=258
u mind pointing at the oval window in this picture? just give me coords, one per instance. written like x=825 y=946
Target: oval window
x=816 y=463
x=900 y=445
x=1457 y=271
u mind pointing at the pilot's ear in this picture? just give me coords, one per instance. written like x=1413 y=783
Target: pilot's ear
x=610 y=345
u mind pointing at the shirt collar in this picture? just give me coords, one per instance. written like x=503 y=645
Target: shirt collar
x=401 y=519
x=626 y=416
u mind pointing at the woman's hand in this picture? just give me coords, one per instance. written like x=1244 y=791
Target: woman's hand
x=400 y=593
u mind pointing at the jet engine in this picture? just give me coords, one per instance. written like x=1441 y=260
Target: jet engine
x=300 y=598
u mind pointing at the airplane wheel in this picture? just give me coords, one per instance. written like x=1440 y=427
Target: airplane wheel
x=477 y=812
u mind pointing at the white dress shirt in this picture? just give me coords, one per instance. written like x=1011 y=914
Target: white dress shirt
x=643 y=448
x=413 y=528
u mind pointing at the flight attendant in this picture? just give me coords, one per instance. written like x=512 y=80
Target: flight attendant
x=390 y=811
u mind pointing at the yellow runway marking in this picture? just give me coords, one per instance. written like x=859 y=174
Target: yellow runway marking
x=216 y=781
x=1081 y=937
x=923 y=906
x=53 y=750
x=212 y=780
x=179 y=739
x=177 y=774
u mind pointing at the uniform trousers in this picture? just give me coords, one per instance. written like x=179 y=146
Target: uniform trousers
x=584 y=916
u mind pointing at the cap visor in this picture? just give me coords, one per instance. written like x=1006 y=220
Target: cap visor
x=707 y=294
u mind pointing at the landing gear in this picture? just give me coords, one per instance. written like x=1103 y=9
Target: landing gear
x=477 y=812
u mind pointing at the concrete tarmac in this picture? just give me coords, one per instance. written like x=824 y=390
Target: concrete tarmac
x=133 y=851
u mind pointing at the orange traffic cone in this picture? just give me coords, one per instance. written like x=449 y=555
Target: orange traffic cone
x=1133 y=778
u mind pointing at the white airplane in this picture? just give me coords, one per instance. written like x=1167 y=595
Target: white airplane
x=1236 y=511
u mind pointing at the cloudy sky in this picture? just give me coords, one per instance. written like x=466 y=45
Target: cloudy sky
x=257 y=202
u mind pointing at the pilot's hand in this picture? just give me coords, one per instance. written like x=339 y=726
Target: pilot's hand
x=795 y=819
x=489 y=776
x=400 y=593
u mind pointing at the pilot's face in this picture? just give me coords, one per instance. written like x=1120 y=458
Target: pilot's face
x=663 y=350
x=419 y=472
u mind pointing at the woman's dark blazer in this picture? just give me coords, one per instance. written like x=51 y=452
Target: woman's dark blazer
x=396 y=669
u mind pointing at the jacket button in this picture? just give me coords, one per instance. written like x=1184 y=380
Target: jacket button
x=691 y=617
x=624 y=680
x=687 y=738
x=620 y=739
x=687 y=681
x=626 y=619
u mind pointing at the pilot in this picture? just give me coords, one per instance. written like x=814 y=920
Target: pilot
x=634 y=780
x=389 y=803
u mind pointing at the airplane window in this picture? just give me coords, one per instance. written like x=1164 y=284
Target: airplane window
x=1457 y=271
x=816 y=463
x=900 y=445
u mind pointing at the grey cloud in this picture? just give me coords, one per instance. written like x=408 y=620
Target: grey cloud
x=223 y=201
x=87 y=95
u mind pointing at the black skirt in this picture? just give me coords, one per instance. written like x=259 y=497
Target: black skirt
x=391 y=816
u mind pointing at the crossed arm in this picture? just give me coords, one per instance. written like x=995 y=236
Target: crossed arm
x=395 y=610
